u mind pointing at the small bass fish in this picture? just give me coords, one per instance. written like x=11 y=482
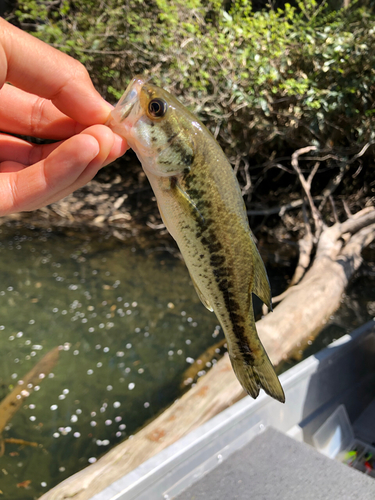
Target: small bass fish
x=200 y=202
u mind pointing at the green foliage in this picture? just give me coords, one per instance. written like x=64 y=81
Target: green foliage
x=267 y=81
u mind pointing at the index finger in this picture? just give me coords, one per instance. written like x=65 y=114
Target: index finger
x=38 y=68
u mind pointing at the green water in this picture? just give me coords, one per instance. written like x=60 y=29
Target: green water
x=128 y=323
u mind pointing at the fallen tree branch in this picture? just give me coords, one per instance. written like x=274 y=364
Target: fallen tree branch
x=358 y=221
x=14 y=400
x=305 y=246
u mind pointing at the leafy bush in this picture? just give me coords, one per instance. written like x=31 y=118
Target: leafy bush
x=266 y=82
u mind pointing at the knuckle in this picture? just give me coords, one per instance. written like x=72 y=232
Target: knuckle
x=37 y=116
x=36 y=154
x=79 y=72
x=11 y=204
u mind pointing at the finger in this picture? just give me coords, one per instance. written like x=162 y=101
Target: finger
x=118 y=149
x=28 y=114
x=35 y=67
x=17 y=150
x=31 y=187
x=120 y=146
x=10 y=166
x=71 y=165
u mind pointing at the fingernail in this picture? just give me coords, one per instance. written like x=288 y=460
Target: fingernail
x=92 y=147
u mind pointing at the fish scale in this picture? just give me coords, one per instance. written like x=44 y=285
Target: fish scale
x=201 y=205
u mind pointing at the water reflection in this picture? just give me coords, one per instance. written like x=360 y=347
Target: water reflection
x=128 y=323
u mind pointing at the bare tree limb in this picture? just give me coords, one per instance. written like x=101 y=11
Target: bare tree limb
x=306 y=185
x=347 y=209
x=362 y=152
x=247 y=187
x=333 y=184
x=358 y=221
x=312 y=173
x=281 y=209
x=333 y=208
x=305 y=246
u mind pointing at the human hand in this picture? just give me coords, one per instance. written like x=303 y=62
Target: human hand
x=51 y=96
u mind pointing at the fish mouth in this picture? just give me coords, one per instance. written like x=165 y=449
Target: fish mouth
x=125 y=114
x=129 y=98
x=126 y=104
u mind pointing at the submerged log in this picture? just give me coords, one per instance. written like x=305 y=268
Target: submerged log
x=301 y=314
x=14 y=400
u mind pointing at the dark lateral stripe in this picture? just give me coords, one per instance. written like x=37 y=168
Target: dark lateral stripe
x=217 y=260
x=236 y=319
x=221 y=271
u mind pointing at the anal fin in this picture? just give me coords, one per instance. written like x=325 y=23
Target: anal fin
x=261 y=285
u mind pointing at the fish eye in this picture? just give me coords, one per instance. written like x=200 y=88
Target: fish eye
x=157 y=108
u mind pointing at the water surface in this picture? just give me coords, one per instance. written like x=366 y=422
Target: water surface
x=128 y=324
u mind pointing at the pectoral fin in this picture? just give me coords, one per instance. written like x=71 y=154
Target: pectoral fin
x=185 y=199
x=261 y=285
x=201 y=296
x=162 y=215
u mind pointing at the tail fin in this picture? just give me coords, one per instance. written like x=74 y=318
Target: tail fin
x=252 y=365
x=252 y=378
